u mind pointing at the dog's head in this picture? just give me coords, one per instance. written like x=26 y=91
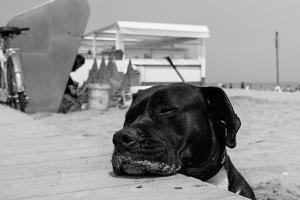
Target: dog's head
x=171 y=127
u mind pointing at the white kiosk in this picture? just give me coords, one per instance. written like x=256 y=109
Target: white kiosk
x=147 y=45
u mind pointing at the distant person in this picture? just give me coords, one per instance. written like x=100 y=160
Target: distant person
x=248 y=86
x=298 y=88
x=288 y=88
x=71 y=85
x=70 y=99
x=261 y=86
x=242 y=85
x=230 y=86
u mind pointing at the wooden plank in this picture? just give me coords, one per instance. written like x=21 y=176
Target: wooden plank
x=37 y=139
x=29 y=170
x=234 y=197
x=54 y=139
x=61 y=167
x=27 y=129
x=39 y=148
x=41 y=134
x=159 y=189
x=53 y=156
x=65 y=183
x=25 y=142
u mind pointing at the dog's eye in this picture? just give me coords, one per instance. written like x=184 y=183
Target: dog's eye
x=129 y=121
x=166 y=110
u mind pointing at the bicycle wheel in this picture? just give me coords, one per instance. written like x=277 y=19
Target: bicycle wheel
x=10 y=79
x=22 y=101
x=10 y=75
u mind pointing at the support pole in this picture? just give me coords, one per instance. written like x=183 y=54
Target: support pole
x=203 y=59
x=175 y=68
x=94 y=46
x=277 y=59
x=119 y=41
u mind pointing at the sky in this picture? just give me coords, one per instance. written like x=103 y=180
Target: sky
x=241 y=46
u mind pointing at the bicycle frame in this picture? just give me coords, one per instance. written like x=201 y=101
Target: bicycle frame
x=3 y=74
x=11 y=75
x=19 y=81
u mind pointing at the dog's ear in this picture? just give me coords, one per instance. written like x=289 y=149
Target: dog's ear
x=134 y=95
x=220 y=108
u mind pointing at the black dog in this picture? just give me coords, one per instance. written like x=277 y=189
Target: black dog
x=180 y=128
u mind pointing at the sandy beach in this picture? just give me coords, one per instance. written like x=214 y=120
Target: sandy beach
x=268 y=141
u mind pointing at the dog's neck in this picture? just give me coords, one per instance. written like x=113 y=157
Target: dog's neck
x=220 y=179
x=224 y=179
x=213 y=164
x=218 y=158
x=208 y=169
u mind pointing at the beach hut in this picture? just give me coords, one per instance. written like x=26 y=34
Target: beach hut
x=147 y=45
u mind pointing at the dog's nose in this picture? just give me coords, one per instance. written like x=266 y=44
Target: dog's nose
x=124 y=138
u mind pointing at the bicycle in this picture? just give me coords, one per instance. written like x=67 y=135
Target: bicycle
x=12 y=88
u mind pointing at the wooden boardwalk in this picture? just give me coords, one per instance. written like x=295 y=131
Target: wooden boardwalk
x=37 y=162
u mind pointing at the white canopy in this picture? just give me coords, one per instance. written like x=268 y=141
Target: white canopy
x=137 y=35
x=153 y=29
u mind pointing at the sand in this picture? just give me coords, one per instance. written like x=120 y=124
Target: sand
x=268 y=143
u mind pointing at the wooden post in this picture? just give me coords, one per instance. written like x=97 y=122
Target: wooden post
x=175 y=68
x=94 y=46
x=119 y=41
x=277 y=59
x=202 y=57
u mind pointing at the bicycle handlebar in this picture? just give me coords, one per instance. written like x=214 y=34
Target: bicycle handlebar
x=24 y=29
x=11 y=31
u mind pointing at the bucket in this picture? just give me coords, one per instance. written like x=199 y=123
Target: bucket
x=98 y=96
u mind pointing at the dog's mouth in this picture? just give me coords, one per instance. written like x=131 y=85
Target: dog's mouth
x=123 y=164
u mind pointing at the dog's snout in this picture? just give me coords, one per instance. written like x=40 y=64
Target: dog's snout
x=124 y=138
